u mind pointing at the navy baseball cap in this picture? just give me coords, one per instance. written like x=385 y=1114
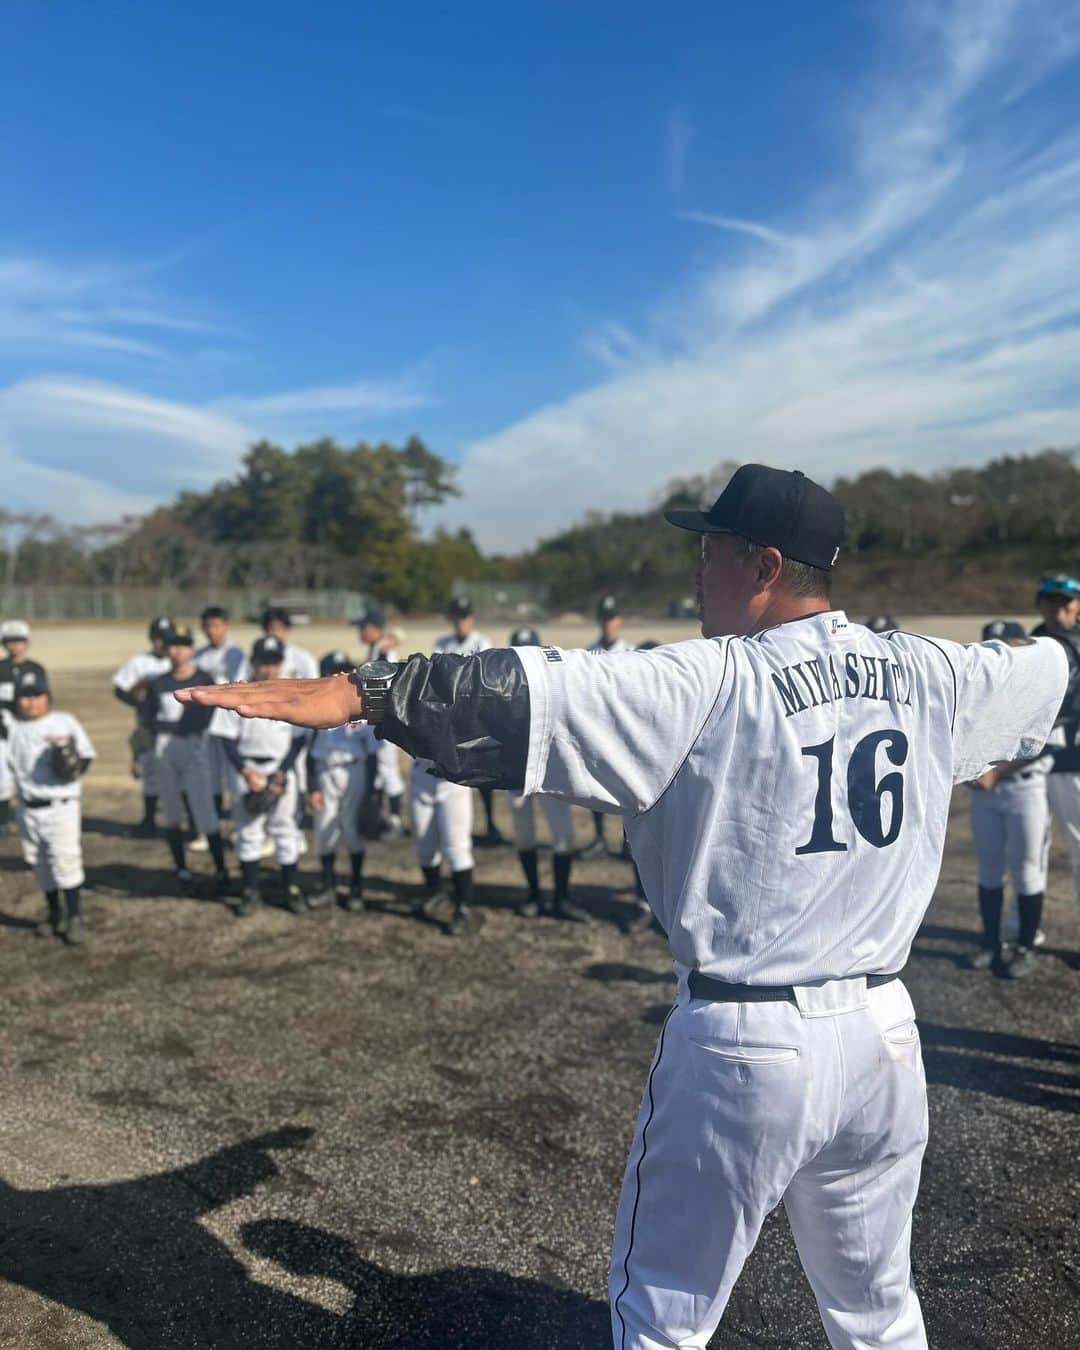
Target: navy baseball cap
x=179 y=635
x=160 y=627
x=775 y=508
x=335 y=663
x=460 y=607
x=1003 y=630
x=607 y=607
x=524 y=637
x=1059 y=583
x=31 y=682
x=373 y=616
x=268 y=651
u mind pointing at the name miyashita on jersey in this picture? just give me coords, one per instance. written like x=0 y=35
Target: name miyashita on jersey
x=811 y=684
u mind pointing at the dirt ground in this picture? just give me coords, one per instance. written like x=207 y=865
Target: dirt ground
x=351 y=1130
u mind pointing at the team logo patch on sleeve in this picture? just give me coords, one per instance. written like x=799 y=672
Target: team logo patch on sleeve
x=551 y=653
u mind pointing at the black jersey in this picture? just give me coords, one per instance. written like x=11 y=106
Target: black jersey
x=161 y=713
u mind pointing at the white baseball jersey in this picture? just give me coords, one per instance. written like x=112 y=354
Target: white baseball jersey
x=451 y=645
x=375 y=652
x=296 y=664
x=26 y=749
x=597 y=648
x=256 y=738
x=223 y=664
x=787 y=794
x=142 y=668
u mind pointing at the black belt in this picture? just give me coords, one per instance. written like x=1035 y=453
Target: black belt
x=719 y=991
x=260 y=759
x=36 y=803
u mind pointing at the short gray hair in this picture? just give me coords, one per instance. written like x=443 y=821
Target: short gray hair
x=798 y=578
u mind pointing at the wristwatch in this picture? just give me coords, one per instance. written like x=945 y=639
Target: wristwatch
x=373 y=680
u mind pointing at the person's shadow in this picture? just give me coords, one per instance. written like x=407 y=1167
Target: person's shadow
x=460 y=1308
x=134 y=1256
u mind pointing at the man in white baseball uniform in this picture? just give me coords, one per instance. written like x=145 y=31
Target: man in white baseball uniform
x=341 y=773
x=182 y=768
x=262 y=759
x=785 y=783
x=381 y=644
x=1010 y=827
x=15 y=640
x=1058 y=599
x=129 y=686
x=465 y=640
x=49 y=801
x=224 y=662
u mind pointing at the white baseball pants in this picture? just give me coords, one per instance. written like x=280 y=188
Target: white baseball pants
x=388 y=770
x=560 y=823
x=821 y=1106
x=182 y=765
x=51 y=838
x=344 y=790
x=279 y=823
x=1063 y=791
x=442 y=819
x=1010 y=826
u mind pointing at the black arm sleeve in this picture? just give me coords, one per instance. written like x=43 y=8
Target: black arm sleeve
x=299 y=742
x=126 y=696
x=468 y=714
x=232 y=752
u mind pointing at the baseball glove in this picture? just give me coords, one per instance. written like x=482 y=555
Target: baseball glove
x=65 y=761
x=258 y=803
x=140 y=742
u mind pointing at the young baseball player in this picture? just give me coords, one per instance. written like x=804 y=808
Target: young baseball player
x=15 y=638
x=381 y=643
x=1010 y=827
x=609 y=643
x=341 y=774
x=785 y=782
x=262 y=759
x=224 y=662
x=466 y=641
x=181 y=754
x=523 y=815
x=46 y=752
x=129 y=686
x=1058 y=599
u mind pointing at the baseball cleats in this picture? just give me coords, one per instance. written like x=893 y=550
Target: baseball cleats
x=185 y=880
x=1021 y=964
x=322 y=898
x=429 y=906
x=250 y=901
x=464 y=923
x=295 y=900
x=532 y=907
x=566 y=909
x=199 y=844
x=354 y=901
x=73 y=934
x=54 y=926
x=597 y=849
x=984 y=959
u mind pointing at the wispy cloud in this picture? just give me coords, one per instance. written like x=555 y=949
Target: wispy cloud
x=362 y=399
x=679 y=137
x=112 y=309
x=922 y=308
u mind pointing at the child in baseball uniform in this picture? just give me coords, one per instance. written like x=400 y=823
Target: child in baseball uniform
x=341 y=773
x=224 y=662
x=181 y=758
x=46 y=753
x=15 y=640
x=1010 y=826
x=129 y=686
x=465 y=640
x=523 y=815
x=262 y=760
x=381 y=643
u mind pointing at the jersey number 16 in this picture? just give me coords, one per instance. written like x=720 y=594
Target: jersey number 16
x=866 y=794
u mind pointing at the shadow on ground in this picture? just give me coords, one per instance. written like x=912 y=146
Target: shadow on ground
x=134 y=1256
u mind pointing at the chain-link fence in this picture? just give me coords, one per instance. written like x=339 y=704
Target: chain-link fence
x=42 y=603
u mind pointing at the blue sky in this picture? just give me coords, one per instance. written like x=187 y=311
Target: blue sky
x=580 y=248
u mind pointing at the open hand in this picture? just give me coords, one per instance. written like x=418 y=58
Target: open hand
x=304 y=703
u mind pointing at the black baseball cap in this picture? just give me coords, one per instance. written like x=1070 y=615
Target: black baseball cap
x=179 y=635
x=776 y=508
x=160 y=627
x=460 y=607
x=31 y=682
x=268 y=651
x=373 y=616
x=335 y=663
x=1003 y=630
x=607 y=607
x=524 y=637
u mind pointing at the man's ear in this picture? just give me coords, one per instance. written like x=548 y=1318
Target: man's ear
x=770 y=565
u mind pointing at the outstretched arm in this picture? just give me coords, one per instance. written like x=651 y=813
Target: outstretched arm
x=305 y=703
